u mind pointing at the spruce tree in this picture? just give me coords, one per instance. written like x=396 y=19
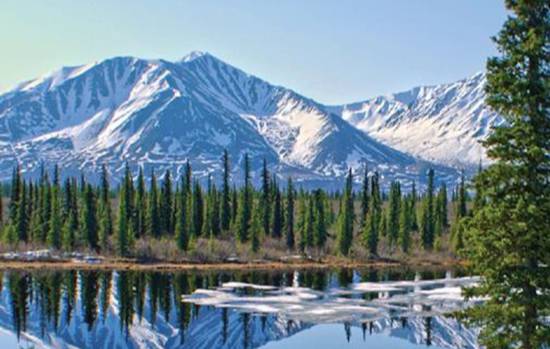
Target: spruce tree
x=105 y=216
x=226 y=194
x=153 y=219
x=165 y=205
x=140 y=206
x=255 y=230
x=277 y=216
x=197 y=210
x=507 y=240
x=365 y=196
x=89 y=218
x=441 y=221
x=22 y=219
x=54 y=233
x=345 y=228
x=289 y=221
x=124 y=222
x=371 y=234
x=320 y=228
x=245 y=205
x=182 y=232
x=412 y=208
x=265 y=202
x=394 y=208
x=405 y=226
x=428 y=216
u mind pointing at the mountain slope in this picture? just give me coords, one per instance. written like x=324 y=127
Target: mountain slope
x=159 y=114
x=442 y=123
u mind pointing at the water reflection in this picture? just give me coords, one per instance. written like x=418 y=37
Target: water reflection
x=128 y=309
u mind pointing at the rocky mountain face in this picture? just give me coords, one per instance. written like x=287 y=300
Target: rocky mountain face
x=159 y=114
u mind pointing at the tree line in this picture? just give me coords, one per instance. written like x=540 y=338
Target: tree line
x=78 y=214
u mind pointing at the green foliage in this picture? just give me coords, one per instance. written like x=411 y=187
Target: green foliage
x=54 y=234
x=244 y=213
x=506 y=239
x=226 y=195
x=405 y=225
x=345 y=228
x=371 y=234
x=427 y=219
x=289 y=215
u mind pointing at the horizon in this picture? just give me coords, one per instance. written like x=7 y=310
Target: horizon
x=334 y=54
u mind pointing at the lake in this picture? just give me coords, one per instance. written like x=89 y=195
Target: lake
x=337 y=308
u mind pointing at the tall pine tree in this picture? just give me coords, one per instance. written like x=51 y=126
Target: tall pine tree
x=507 y=238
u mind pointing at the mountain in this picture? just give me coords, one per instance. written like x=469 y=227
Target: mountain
x=159 y=114
x=442 y=123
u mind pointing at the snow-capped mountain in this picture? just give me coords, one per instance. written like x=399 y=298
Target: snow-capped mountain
x=443 y=123
x=159 y=114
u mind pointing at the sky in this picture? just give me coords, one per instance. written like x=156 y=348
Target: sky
x=331 y=51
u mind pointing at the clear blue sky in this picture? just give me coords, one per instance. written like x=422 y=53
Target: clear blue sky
x=333 y=51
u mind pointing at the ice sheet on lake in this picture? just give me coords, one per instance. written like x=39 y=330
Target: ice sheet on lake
x=360 y=302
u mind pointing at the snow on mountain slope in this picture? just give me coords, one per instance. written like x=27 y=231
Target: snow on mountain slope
x=159 y=114
x=442 y=123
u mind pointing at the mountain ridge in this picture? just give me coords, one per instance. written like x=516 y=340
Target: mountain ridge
x=158 y=114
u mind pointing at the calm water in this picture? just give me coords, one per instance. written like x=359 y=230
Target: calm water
x=215 y=309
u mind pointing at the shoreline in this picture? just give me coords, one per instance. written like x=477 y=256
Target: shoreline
x=230 y=266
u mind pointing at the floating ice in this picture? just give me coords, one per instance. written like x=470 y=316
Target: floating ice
x=358 y=303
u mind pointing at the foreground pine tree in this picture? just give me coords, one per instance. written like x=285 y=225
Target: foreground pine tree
x=508 y=237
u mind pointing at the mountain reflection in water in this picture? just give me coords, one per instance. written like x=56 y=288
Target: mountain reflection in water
x=228 y=309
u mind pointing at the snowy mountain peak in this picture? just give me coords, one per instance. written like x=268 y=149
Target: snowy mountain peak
x=194 y=55
x=441 y=123
x=157 y=113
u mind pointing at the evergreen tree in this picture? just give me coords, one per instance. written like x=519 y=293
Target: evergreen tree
x=507 y=238
x=182 y=233
x=345 y=228
x=289 y=215
x=123 y=223
x=365 y=196
x=89 y=218
x=461 y=209
x=68 y=232
x=265 y=202
x=405 y=226
x=54 y=234
x=441 y=221
x=140 y=206
x=412 y=208
x=234 y=205
x=22 y=219
x=320 y=228
x=255 y=230
x=106 y=216
x=372 y=223
x=245 y=205
x=394 y=213
x=428 y=216
x=197 y=210
x=309 y=225
x=165 y=205
x=226 y=195
x=153 y=219
x=277 y=216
